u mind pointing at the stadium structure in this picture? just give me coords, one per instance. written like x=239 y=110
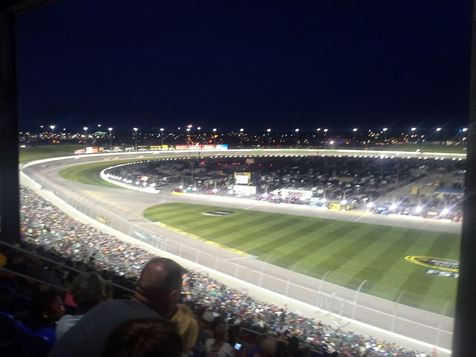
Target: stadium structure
x=376 y=258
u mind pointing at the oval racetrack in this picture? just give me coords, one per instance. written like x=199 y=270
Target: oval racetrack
x=122 y=210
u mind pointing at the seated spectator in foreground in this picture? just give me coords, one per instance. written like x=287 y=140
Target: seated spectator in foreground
x=47 y=308
x=187 y=327
x=87 y=291
x=267 y=348
x=218 y=345
x=144 y=338
x=157 y=295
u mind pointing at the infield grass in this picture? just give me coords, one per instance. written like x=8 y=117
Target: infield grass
x=351 y=252
x=46 y=151
x=89 y=173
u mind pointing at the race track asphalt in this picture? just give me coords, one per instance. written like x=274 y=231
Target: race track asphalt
x=434 y=329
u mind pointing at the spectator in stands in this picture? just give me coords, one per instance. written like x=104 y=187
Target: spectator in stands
x=144 y=338
x=218 y=345
x=47 y=308
x=267 y=348
x=205 y=331
x=187 y=327
x=157 y=295
x=88 y=291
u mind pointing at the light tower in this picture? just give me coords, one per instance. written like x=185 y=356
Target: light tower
x=135 y=136
x=110 y=138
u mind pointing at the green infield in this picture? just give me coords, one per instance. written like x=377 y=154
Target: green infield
x=351 y=252
x=46 y=151
x=89 y=173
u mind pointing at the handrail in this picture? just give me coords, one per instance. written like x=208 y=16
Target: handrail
x=32 y=278
x=61 y=265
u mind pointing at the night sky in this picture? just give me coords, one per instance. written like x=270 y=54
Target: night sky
x=252 y=64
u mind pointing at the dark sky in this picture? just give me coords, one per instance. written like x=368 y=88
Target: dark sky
x=251 y=64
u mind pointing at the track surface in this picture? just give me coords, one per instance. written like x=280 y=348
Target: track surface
x=129 y=205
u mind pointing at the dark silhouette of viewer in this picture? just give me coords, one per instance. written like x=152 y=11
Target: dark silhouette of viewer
x=157 y=295
x=144 y=338
x=87 y=291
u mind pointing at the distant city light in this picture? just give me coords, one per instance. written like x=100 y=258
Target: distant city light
x=318 y=129
x=384 y=129
x=242 y=130
x=413 y=129
x=199 y=128
x=332 y=142
x=268 y=130
x=52 y=127
x=162 y=129
x=438 y=129
x=296 y=130
x=325 y=130
x=464 y=130
x=135 y=129
x=354 y=130
x=110 y=129
x=85 y=128
x=99 y=125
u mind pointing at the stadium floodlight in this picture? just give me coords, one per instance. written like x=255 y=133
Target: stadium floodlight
x=438 y=129
x=418 y=209
x=445 y=211
x=110 y=138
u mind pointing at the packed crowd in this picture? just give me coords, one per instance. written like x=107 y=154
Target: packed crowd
x=242 y=325
x=332 y=182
